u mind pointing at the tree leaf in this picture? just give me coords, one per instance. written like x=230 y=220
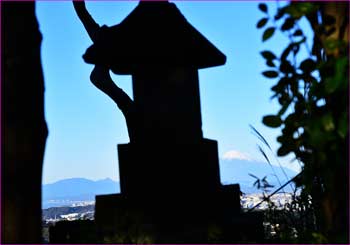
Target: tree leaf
x=280 y=139
x=261 y=23
x=280 y=13
x=298 y=10
x=286 y=52
x=284 y=108
x=268 y=33
x=268 y=55
x=270 y=63
x=298 y=33
x=288 y=24
x=272 y=121
x=283 y=150
x=283 y=98
x=281 y=85
x=263 y=7
x=308 y=65
x=270 y=74
x=286 y=67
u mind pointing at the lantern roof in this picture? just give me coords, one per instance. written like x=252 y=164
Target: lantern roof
x=153 y=34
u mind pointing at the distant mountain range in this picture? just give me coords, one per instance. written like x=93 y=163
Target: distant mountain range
x=72 y=191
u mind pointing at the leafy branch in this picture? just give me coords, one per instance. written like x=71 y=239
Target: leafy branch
x=312 y=92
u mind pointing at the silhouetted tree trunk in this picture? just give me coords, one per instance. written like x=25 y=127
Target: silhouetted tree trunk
x=24 y=128
x=333 y=203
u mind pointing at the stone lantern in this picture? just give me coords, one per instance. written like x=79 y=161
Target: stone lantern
x=171 y=173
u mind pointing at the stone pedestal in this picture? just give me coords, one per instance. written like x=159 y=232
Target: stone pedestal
x=165 y=170
x=167 y=186
x=170 y=220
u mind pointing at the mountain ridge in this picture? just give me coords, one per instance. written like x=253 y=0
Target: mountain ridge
x=72 y=190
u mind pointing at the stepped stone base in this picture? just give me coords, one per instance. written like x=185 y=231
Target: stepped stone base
x=217 y=219
x=170 y=193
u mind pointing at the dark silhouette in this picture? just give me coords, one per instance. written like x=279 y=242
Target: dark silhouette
x=100 y=74
x=23 y=124
x=102 y=80
x=156 y=63
x=162 y=52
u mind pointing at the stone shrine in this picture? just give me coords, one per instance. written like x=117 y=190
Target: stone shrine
x=169 y=173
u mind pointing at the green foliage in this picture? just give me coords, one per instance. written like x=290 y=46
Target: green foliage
x=292 y=222
x=312 y=93
x=268 y=33
x=263 y=7
x=268 y=55
x=272 y=121
x=262 y=22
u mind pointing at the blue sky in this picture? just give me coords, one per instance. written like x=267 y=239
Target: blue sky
x=85 y=126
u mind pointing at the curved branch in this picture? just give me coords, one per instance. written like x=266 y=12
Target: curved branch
x=89 y=23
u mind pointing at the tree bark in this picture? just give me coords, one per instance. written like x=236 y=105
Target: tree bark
x=24 y=129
